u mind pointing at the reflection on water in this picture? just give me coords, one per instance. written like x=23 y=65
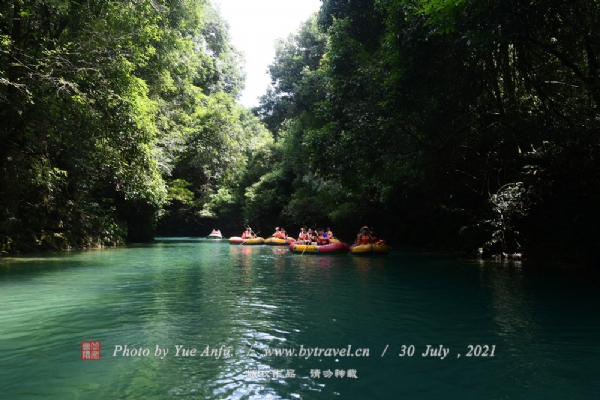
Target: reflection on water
x=208 y=295
x=511 y=309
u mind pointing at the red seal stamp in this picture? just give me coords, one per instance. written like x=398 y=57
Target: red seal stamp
x=90 y=350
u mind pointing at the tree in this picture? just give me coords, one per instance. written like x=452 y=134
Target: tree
x=101 y=100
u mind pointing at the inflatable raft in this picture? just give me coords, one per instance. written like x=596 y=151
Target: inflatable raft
x=279 y=242
x=331 y=248
x=331 y=241
x=369 y=249
x=239 y=240
x=214 y=236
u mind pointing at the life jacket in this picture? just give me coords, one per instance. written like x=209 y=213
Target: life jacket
x=365 y=239
x=303 y=236
x=214 y=232
x=244 y=235
x=322 y=240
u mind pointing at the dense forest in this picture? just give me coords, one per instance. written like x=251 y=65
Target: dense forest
x=114 y=113
x=462 y=125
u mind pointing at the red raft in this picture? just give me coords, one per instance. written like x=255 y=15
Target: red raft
x=331 y=248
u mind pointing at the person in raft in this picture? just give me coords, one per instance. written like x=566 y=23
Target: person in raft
x=216 y=232
x=312 y=236
x=303 y=236
x=279 y=234
x=329 y=233
x=374 y=237
x=248 y=234
x=364 y=236
x=322 y=237
x=309 y=235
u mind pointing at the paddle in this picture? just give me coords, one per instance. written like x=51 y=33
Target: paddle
x=305 y=247
x=255 y=234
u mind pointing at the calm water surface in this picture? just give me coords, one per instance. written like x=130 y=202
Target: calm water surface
x=543 y=322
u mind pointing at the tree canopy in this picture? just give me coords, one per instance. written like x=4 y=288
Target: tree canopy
x=104 y=106
x=459 y=125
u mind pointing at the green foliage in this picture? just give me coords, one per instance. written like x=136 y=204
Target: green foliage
x=221 y=71
x=442 y=14
x=102 y=103
x=428 y=113
x=225 y=144
x=451 y=124
x=509 y=204
x=178 y=190
x=297 y=80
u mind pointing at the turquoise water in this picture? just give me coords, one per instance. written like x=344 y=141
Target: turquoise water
x=544 y=324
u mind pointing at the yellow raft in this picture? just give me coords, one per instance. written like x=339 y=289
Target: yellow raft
x=369 y=249
x=239 y=240
x=278 y=242
x=258 y=240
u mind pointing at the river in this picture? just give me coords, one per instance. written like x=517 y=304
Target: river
x=194 y=319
